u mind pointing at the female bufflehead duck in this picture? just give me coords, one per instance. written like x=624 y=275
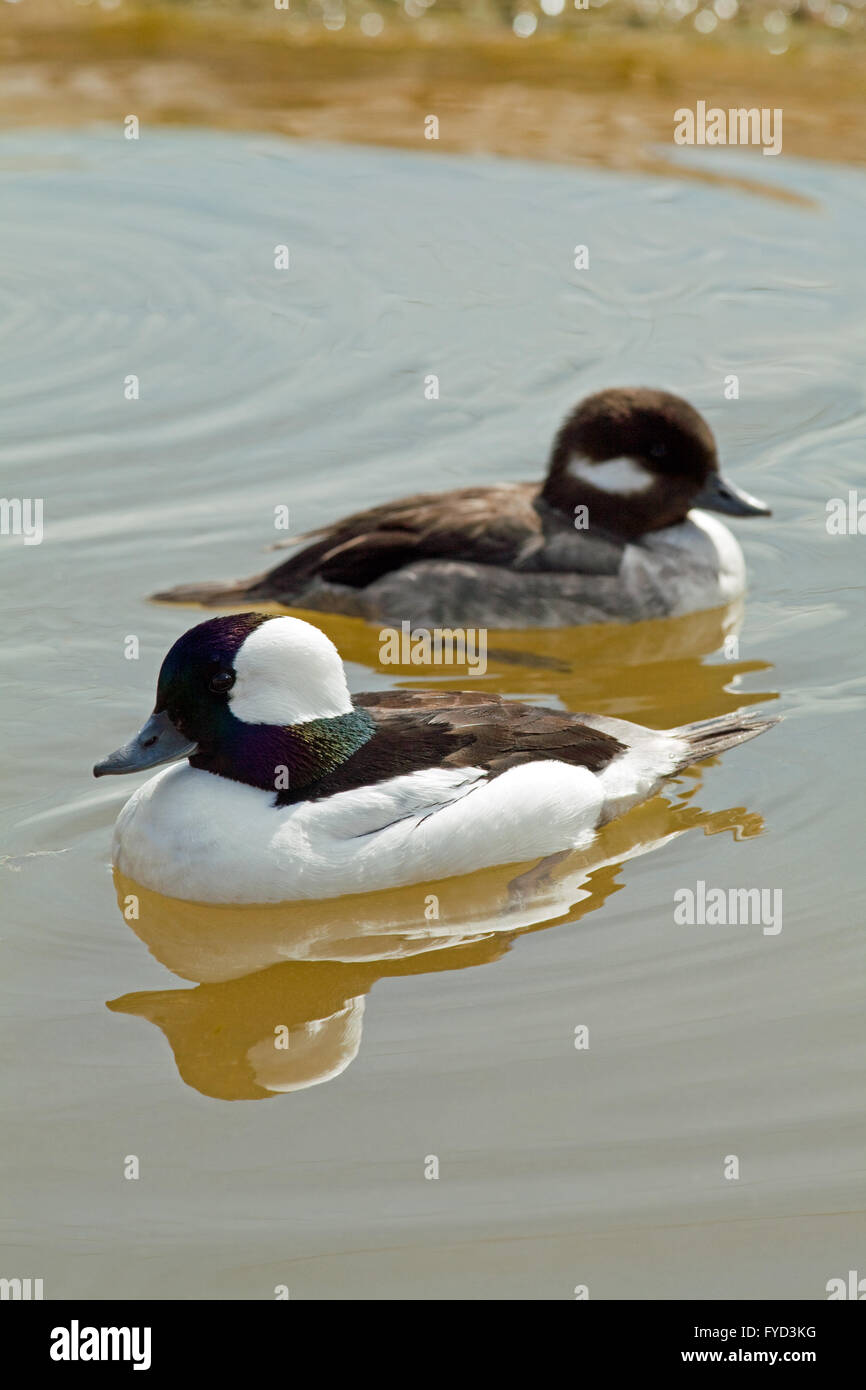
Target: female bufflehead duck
x=293 y=789
x=610 y=535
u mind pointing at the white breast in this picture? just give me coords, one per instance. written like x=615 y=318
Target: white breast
x=695 y=565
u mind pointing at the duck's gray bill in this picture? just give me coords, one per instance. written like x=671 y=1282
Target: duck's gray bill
x=720 y=495
x=158 y=742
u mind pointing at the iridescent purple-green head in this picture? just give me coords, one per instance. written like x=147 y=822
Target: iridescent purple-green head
x=252 y=697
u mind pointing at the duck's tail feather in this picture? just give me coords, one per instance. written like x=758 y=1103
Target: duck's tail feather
x=215 y=594
x=708 y=737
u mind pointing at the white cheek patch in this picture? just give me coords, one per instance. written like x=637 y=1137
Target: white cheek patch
x=622 y=476
x=288 y=672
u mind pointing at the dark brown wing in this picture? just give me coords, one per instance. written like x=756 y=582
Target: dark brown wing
x=381 y=702
x=422 y=729
x=485 y=525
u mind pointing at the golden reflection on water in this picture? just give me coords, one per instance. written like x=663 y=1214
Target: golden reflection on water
x=280 y=990
x=655 y=672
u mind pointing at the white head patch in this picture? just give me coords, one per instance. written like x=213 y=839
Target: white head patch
x=288 y=672
x=622 y=476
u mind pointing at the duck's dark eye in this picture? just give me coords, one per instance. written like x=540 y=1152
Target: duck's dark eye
x=222 y=680
x=658 y=451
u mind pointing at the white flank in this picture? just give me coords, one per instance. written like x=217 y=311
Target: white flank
x=190 y=834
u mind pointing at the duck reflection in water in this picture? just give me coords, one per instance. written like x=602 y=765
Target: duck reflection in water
x=281 y=990
x=661 y=672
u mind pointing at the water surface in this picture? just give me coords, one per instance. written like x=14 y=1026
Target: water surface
x=258 y=388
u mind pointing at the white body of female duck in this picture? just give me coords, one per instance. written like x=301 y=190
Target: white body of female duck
x=292 y=789
x=618 y=531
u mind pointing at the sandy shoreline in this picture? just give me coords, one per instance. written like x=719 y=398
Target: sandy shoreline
x=606 y=99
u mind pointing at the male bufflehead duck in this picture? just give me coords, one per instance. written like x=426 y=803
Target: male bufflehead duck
x=293 y=789
x=618 y=531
